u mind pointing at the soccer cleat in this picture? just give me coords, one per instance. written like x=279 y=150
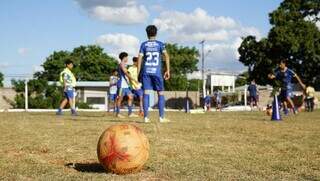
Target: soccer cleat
x=59 y=113
x=146 y=120
x=120 y=116
x=132 y=115
x=164 y=120
x=295 y=111
x=286 y=112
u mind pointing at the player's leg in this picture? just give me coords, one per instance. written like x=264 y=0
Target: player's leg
x=118 y=102
x=311 y=104
x=130 y=102
x=147 y=90
x=139 y=94
x=158 y=85
x=70 y=97
x=62 y=105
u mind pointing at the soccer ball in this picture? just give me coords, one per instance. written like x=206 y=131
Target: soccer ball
x=123 y=149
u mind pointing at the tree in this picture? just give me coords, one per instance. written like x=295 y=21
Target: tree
x=91 y=64
x=294 y=36
x=183 y=60
x=1 y=79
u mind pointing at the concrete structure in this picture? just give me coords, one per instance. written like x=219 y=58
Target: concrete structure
x=224 y=80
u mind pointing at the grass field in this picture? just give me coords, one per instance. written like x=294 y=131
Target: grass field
x=212 y=146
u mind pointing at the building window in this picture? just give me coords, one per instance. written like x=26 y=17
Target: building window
x=95 y=100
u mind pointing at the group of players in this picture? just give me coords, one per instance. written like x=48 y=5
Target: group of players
x=140 y=80
x=146 y=76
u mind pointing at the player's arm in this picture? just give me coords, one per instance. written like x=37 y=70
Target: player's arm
x=167 y=61
x=139 y=62
x=125 y=70
x=300 y=81
x=65 y=78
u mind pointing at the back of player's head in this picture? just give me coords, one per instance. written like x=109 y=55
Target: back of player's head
x=135 y=59
x=114 y=71
x=68 y=61
x=151 y=31
x=123 y=55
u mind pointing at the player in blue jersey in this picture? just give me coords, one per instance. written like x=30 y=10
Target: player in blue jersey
x=150 y=58
x=253 y=94
x=123 y=85
x=285 y=75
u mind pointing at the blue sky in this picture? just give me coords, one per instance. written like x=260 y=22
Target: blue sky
x=31 y=30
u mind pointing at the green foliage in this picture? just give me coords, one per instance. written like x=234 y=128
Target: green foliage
x=1 y=79
x=294 y=35
x=195 y=84
x=242 y=79
x=183 y=60
x=91 y=63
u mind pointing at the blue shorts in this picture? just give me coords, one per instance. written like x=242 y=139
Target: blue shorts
x=137 y=93
x=68 y=94
x=152 y=82
x=284 y=94
x=124 y=92
x=113 y=97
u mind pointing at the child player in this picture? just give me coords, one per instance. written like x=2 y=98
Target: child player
x=113 y=90
x=285 y=75
x=123 y=85
x=136 y=88
x=68 y=81
x=150 y=71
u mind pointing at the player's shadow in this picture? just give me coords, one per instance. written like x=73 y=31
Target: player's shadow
x=87 y=167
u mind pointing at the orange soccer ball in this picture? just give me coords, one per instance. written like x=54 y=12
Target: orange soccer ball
x=123 y=149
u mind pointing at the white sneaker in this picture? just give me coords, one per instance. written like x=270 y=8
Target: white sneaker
x=132 y=115
x=164 y=120
x=146 y=120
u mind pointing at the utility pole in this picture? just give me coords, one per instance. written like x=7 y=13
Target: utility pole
x=202 y=69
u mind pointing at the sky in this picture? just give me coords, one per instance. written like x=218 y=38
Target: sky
x=31 y=30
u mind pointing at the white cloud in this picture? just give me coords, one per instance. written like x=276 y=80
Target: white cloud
x=116 y=11
x=199 y=25
x=121 y=15
x=23 y=51
x=222 y=35
x=116 y=43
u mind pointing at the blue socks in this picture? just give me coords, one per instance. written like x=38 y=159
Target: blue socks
x=145 y=104
x=161 y=104
x=129 y=109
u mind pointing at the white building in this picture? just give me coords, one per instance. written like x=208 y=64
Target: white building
x=225 y=81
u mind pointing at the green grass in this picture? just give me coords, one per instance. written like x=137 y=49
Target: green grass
x=213 y=146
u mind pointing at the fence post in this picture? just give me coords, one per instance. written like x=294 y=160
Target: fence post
x=245 y=97
x=26 y=95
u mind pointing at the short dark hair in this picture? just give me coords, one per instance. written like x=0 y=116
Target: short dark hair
x=284 y=61
x=151 y=30
x=123 y=55
x=135 y=59
x=114 y=70
x=68 y=61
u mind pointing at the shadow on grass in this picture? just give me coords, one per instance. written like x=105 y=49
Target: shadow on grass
x=87 y=167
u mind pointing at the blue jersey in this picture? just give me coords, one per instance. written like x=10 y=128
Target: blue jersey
x=152 y=51
x=285 y=77
x=252 y=90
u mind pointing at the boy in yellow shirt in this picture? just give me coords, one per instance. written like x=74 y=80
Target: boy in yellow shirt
x=136 y=88
x=68 y=81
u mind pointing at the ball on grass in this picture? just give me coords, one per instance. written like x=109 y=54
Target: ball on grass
x=123 y=149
